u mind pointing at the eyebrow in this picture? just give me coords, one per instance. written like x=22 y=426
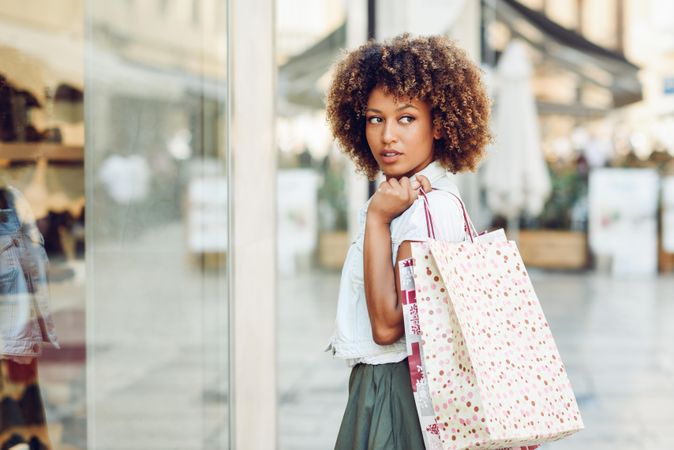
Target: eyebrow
x=405 y=106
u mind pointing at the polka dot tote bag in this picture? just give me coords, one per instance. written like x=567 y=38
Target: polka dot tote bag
x=489 y=361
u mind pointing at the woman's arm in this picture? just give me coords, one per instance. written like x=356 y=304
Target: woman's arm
x=382 y=287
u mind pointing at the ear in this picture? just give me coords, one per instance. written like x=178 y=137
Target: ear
x=437 y=132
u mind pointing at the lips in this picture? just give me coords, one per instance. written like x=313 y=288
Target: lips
x=389 y=156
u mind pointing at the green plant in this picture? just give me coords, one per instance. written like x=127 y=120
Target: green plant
x=569 y=186
x=332 y=194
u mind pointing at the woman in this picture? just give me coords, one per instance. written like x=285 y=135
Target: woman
x=414 y=109
x=25 y=324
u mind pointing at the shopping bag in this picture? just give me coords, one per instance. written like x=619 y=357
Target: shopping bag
x=421 y=393
x=493 y=371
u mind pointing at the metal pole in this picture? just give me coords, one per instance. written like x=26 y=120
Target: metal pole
x=620 y=26
x=371 y=34
x=371 y=19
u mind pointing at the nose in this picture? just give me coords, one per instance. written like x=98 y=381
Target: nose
x=389 y=132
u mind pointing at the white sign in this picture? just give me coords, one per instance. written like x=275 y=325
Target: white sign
x=668 y=214
x=297 y=208
x=207 y=214
x=623 y=219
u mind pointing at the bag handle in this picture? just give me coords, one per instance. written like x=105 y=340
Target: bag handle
x=468 y=226
x=427 y=212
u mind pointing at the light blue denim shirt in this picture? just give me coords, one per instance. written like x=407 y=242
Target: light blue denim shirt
x=352 y=339
x=25 y=320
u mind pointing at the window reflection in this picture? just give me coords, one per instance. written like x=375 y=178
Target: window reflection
x=42 y=177
x=139 y=289
x=158 y=194
x=25 y=323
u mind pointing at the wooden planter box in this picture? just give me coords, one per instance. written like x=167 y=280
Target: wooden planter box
x=665 y=260
x=552 y=249
x=332 y=248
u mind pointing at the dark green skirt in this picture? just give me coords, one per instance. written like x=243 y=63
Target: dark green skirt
x=380 y=413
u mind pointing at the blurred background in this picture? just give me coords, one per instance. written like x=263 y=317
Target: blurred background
x=118 y=124
x=580 y=173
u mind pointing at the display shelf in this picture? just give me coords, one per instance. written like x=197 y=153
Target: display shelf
x=30 y=151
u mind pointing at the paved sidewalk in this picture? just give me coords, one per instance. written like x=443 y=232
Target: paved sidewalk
x=157 y=368
x=312 y=385
x=154 y=376
x=615 y=336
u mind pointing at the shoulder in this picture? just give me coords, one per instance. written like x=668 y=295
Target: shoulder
x=445 y=216
x=19 y=203
x=444 y=202
x=25 y=214
x=444 y=212
x=445 y=206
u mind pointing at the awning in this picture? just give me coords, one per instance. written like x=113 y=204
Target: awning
x=64 y=56
x=299 y=77
x=593 y=63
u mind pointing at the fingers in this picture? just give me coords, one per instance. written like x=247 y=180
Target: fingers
x=393 y=185
x=405 y=184
x=409 y=188
x=425 y=183
x=21 y=359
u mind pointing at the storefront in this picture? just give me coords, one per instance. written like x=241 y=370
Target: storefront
x=604 y=115
x=140 y=134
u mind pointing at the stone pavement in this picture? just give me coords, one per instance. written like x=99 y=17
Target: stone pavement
x=156 y=367
x=312 y=385
x=154 y=375
x=616 y=337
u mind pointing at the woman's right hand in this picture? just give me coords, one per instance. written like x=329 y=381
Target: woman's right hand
x=394 y=196
x=19 y=359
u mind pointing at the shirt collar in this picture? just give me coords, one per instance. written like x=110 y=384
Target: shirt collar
x=434 y=172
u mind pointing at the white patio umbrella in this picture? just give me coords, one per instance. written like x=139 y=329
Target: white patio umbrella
x=516 y=178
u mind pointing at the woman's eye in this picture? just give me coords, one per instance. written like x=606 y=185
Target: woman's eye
x=407 y=119
x=374 y=119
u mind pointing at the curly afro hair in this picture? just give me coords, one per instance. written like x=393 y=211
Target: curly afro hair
x=432 y=69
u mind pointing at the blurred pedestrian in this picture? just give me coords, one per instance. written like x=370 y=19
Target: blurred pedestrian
x=413 y=108
x=25 y=324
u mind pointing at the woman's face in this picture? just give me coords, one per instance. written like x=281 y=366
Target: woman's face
x=400 y=133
